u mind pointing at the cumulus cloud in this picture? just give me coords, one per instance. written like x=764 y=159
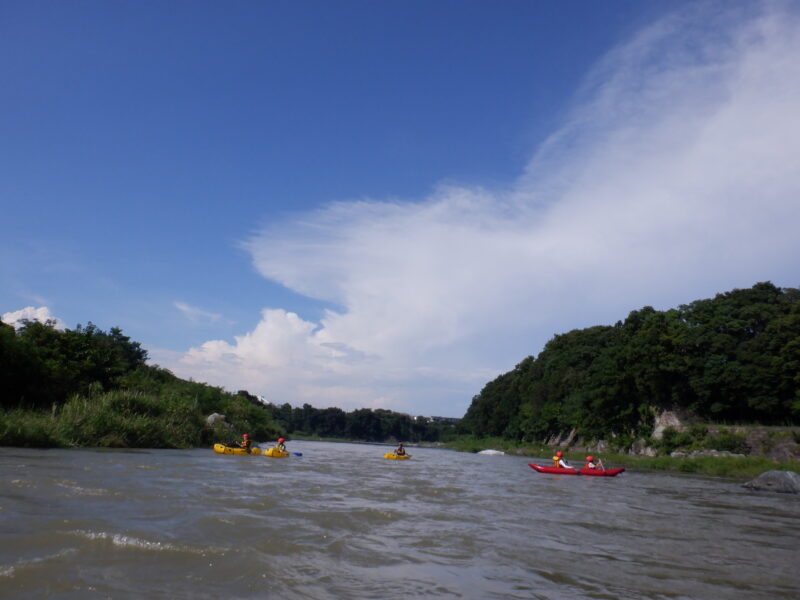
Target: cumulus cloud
x=673 y=177
x=30 y=313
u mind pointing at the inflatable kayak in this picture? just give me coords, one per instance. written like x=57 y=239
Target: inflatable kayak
x=275 y=453
x=223 y=449
x=393 y=456
x=582 y=471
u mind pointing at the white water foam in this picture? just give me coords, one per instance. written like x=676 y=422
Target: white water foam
x=126 y=541
x=10 y=570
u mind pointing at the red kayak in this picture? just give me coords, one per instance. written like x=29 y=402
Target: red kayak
x=583 y=471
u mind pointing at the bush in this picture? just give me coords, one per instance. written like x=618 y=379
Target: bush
x=25 y=428
x=728 y=441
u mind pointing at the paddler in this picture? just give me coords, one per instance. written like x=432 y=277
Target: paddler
x=559 y=462
x=280 y=445
x=246 y=442
x=400 y=451
x=591 y=464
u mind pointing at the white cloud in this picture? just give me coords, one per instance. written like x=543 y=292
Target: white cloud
x=30 y=313
x=195 y=314
x=674 y=177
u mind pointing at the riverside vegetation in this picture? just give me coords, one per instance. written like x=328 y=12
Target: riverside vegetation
x=733 y=360
x=88 y=387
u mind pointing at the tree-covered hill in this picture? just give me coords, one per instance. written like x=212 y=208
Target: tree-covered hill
x=733 y=358
x=87 y=387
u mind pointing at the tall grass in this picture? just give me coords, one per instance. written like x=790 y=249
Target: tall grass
x=130 y=419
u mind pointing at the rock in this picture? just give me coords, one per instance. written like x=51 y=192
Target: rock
x=570 y=438
x=784 y=449
x=701 y=453
x=664 y=419
x=776 y=481
x=215 y=418
x=723 y=453
x=640 y=448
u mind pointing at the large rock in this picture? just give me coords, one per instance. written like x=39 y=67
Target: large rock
x=776 y=481
x=665 y=419
x=215 y=418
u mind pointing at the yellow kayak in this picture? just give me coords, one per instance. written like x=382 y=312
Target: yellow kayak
x=275 y=453
x=393 y=456
x=223 y=449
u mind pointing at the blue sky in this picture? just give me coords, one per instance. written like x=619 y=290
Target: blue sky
x=387 y=204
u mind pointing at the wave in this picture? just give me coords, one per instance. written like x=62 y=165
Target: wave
x=10 y=570
x=126 y=541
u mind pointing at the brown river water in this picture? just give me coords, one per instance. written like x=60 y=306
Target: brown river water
x=342 y=522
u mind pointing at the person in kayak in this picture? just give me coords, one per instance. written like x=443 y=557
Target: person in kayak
x=280 y=445
x=591 y=464
x=246 y=442
x=400 y=451
x=560 y=462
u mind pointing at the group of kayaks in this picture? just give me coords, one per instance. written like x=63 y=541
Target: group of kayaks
x=278 y=453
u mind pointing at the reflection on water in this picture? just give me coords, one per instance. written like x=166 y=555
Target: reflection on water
x=342 y=522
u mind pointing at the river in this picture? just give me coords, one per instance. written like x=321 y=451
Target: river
x=342 y=522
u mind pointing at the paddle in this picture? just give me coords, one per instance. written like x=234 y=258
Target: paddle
x=297 y=453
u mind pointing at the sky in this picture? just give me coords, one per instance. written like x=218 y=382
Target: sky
x=388 y=204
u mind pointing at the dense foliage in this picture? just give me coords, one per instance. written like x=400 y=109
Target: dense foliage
x=86 y=387
x=732 y=358
x=42 y=365
x=363 y=424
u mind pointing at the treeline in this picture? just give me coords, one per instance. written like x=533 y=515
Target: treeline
x=733 y=358
x=363 y=424
x=88 y=387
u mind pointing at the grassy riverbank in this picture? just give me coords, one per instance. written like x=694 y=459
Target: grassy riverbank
x=745 y=467
x=134 y=419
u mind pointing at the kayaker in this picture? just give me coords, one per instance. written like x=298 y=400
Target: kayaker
x=400 y=451
x=591 y=464
x=280 y=445
x=246 y=442
x=559 y=462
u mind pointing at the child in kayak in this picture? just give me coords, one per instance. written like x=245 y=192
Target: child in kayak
x=591 y=464
x=400 y=451
x=560 y=462
x=280 y=445
x=246 y=442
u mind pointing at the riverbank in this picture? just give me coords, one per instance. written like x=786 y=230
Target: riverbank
x=734 y=467
x=131 y=418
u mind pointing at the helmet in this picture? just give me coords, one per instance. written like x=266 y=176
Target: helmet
x=559 y=454
x=245 y=436
x=281 y=440
x=590 y=458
